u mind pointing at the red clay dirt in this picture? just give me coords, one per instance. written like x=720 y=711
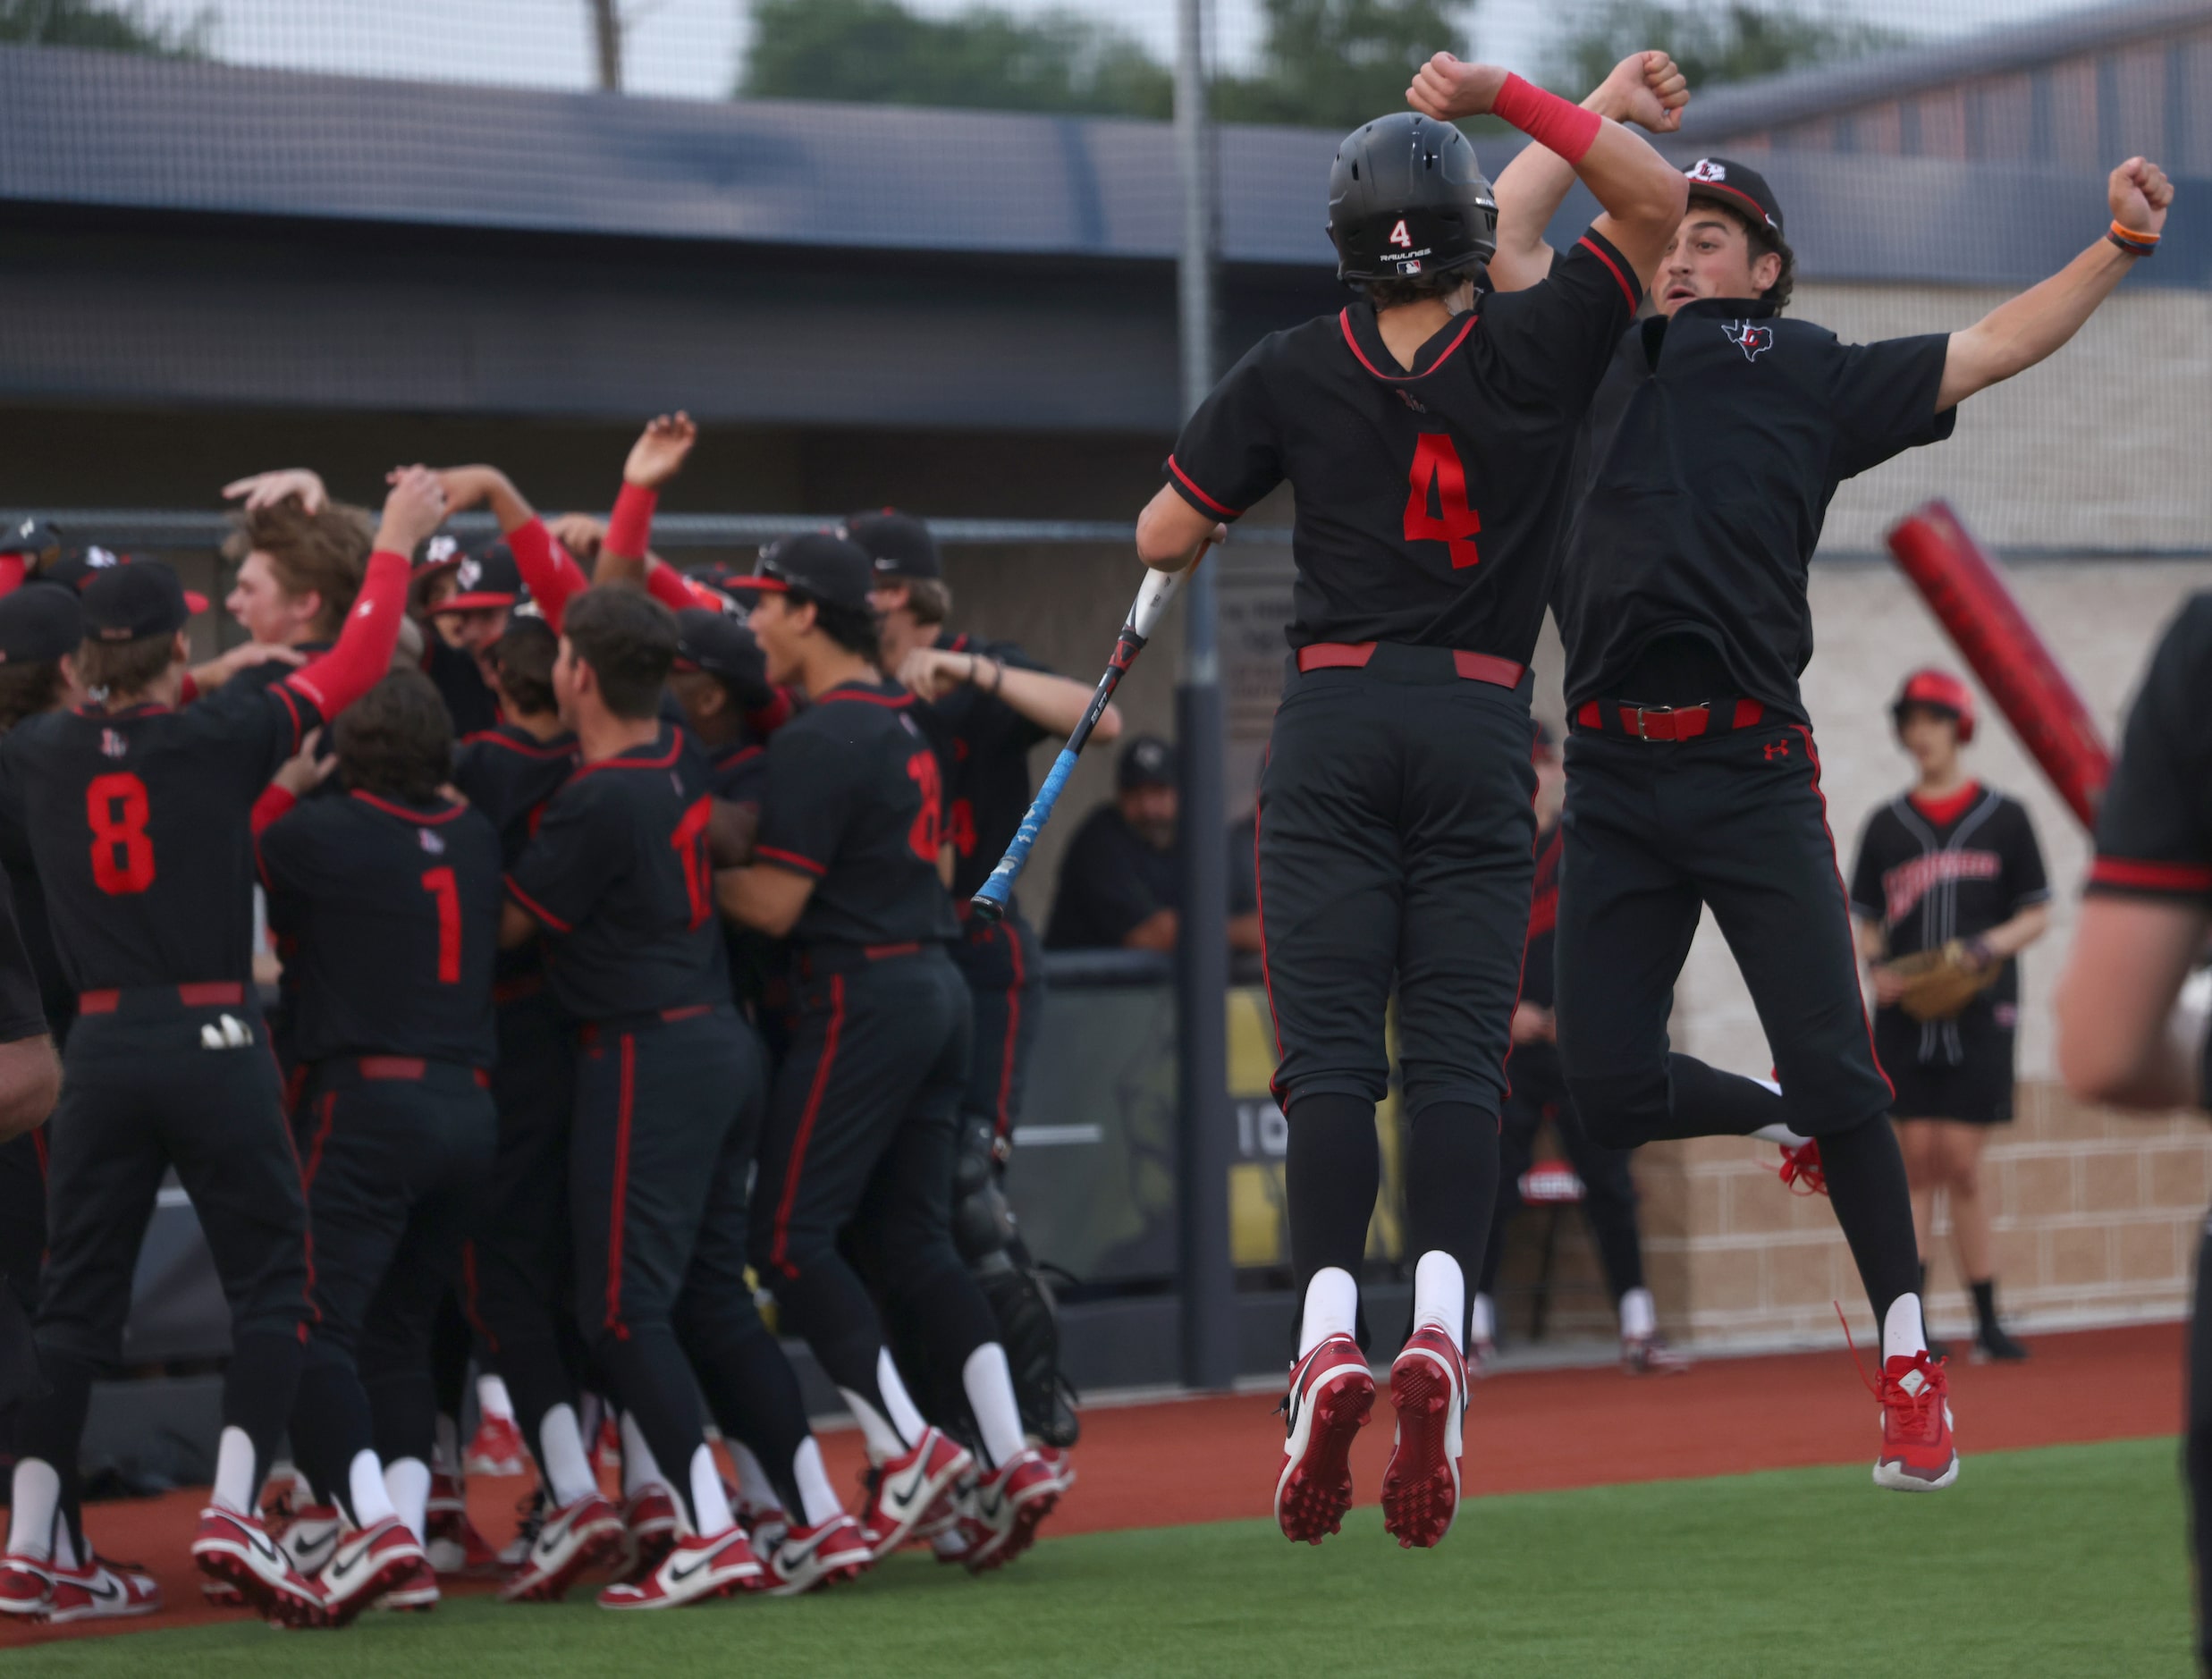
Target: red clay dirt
x=1214 y=1459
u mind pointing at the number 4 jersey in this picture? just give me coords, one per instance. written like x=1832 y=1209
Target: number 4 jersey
x=1429 y=499
x=854 y=799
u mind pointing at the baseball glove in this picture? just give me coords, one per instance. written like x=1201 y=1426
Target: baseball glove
x=1940 y=984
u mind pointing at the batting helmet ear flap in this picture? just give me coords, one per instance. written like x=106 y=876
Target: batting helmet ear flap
x=1939 y=690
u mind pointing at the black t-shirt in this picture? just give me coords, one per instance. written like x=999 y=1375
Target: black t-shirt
x=2154 y=830
x=1929 y=874
x=1111 y=881
x=621 y=881
x=1703 y=477
x=983 y=743
x=508 y=774
x=389 y=915
x=1430 y=502
x=455 y=672
x=855 y=797
x=139 y=824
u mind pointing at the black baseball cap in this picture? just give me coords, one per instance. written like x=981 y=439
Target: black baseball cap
x=898 y=544
x=719 y=645
x=129 y=603
x=38 y=624
x=1148 y=761
x=483 y=577
x=822 y=565
x=1740 y=187
x=35 y=539
x=78 y=566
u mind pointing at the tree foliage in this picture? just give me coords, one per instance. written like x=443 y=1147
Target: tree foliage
x=1335 y=64
x=115 y=28
x=1733 y=40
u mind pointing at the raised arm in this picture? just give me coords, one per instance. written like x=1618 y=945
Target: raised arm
x=552 y=578
x=657 y=456
x=415 y=507
x=2015 y=336
x=1643 y=193
x=1646 y=89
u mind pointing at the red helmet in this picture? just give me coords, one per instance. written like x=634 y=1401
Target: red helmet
x=1939 y=690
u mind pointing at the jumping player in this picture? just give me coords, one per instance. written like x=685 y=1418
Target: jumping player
x=2144 y=921
x=668 y=1107
x=984 y=705
x=1427 y=432
x=142 y=845
x=1950 y=861
x=862 y=1125
x=386 y=902
x=1722 y=431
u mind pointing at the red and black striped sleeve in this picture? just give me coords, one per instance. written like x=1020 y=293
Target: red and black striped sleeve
x=2154 y=830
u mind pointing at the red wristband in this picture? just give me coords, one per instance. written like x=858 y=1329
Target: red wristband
x=629 y=527
x=1547 y=119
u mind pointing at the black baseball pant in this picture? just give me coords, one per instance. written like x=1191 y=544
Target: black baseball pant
x=23 y=1215
x=169 y=1077
x=523 y=1256
x=863 y=1131
x=1608 y=1190
x=1394 y=850
x=1655 y=830
x=1004 y=968
x=393 y=1152
x=667 y=1113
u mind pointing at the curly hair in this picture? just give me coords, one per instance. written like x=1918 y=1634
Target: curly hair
x=396 y=740
x=28 y=690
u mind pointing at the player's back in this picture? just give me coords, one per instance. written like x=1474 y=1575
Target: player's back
x=389 y=915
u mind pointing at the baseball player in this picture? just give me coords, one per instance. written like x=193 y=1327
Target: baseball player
x=1539 y=1095
x=1427 y=431
x=1948 y=891
x=862 y=1126
x=2144 y=919
x=385 y=902
x=1721 y=432
x=618 y=881
x=983 y=705
x=469 y=620
x=142 y=845
x=299 y=557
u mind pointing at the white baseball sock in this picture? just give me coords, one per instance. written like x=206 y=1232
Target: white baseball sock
x=493 y=1400
x=710 y=1500
x=639 y=1471
x=568 y=1469
x=1639 y=1315
x=756 y=1491
x=1485 y=1316
x=37 y=1496
x=1781 y=1134
x=234 y=1485
x=365 y=1489
x=1441 y=1296
x=989 y=1385
x=1331 y=1308
x=407 y=1481
x=1902 y=1332
x=814 y=1489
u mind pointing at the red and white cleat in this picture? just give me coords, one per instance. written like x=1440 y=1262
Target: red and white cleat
x=416 y=1592
x=450 y=1538
x=809 y=1559
x=237 y=1549
x=102 y=1591
x=380 y=1558
x=765 y=1524
x=1331 y=1393
x=567 y=1540
x=1004 y=1510
x=1650 y=1355
x=650 y=1530
x=497 y=1449
x=908 y=1489
x=1421 y=1487
x=694 y=1570
x=308 y=1537
x=1801 y=1171
x=1058 y=1459
x=1918 y=1455
x=26 y=1585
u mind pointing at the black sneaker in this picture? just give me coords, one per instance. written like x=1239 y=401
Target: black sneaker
x=1993 y=1346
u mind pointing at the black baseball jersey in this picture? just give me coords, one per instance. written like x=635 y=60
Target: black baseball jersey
x=1429 y=502
x=621 y=880
x=2154 y=830
x=1714 y=446
x=983 y=743
x=1110 y=881
x=141 y=835
x=22 y=1012
x=1543 y=921
x=508 y=774
x=855 y=797
x=737 y=774
x=455 y=672
x=389 y=915
x=55 y=995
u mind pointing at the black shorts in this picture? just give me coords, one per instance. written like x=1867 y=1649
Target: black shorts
x=1395 y=851
x=1975 y=1090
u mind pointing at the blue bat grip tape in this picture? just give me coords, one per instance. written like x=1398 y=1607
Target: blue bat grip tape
x=999 y=887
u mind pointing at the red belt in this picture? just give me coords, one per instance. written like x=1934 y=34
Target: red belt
x=411 y=1067
x=212 y=994
x=1669 y=723
x=1354 y=655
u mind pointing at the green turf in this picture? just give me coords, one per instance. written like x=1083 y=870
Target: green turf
x=2064 y=1561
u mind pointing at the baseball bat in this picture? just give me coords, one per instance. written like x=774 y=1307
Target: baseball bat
x=1160 y=587
x=1971 y=603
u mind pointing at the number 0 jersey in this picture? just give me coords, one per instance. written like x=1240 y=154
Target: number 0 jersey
x=388 y=916
x=140 y=822
x=855 y=799
x=1429 y=501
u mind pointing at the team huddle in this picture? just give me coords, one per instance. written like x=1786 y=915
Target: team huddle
x=626 y=973
x=620 y=974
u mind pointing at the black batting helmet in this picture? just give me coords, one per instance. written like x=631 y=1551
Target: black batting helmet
x=1406 y=197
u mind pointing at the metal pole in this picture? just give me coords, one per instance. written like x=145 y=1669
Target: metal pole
x=1202 y=1152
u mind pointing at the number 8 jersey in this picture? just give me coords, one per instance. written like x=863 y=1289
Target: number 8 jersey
x=1428 y=499
x=854 y=799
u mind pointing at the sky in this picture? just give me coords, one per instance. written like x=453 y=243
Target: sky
x=690 y=48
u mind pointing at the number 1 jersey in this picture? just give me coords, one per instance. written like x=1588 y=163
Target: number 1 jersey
x=1429 y=501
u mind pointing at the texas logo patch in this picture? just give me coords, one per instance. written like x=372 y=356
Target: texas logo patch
x=1750 y=337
